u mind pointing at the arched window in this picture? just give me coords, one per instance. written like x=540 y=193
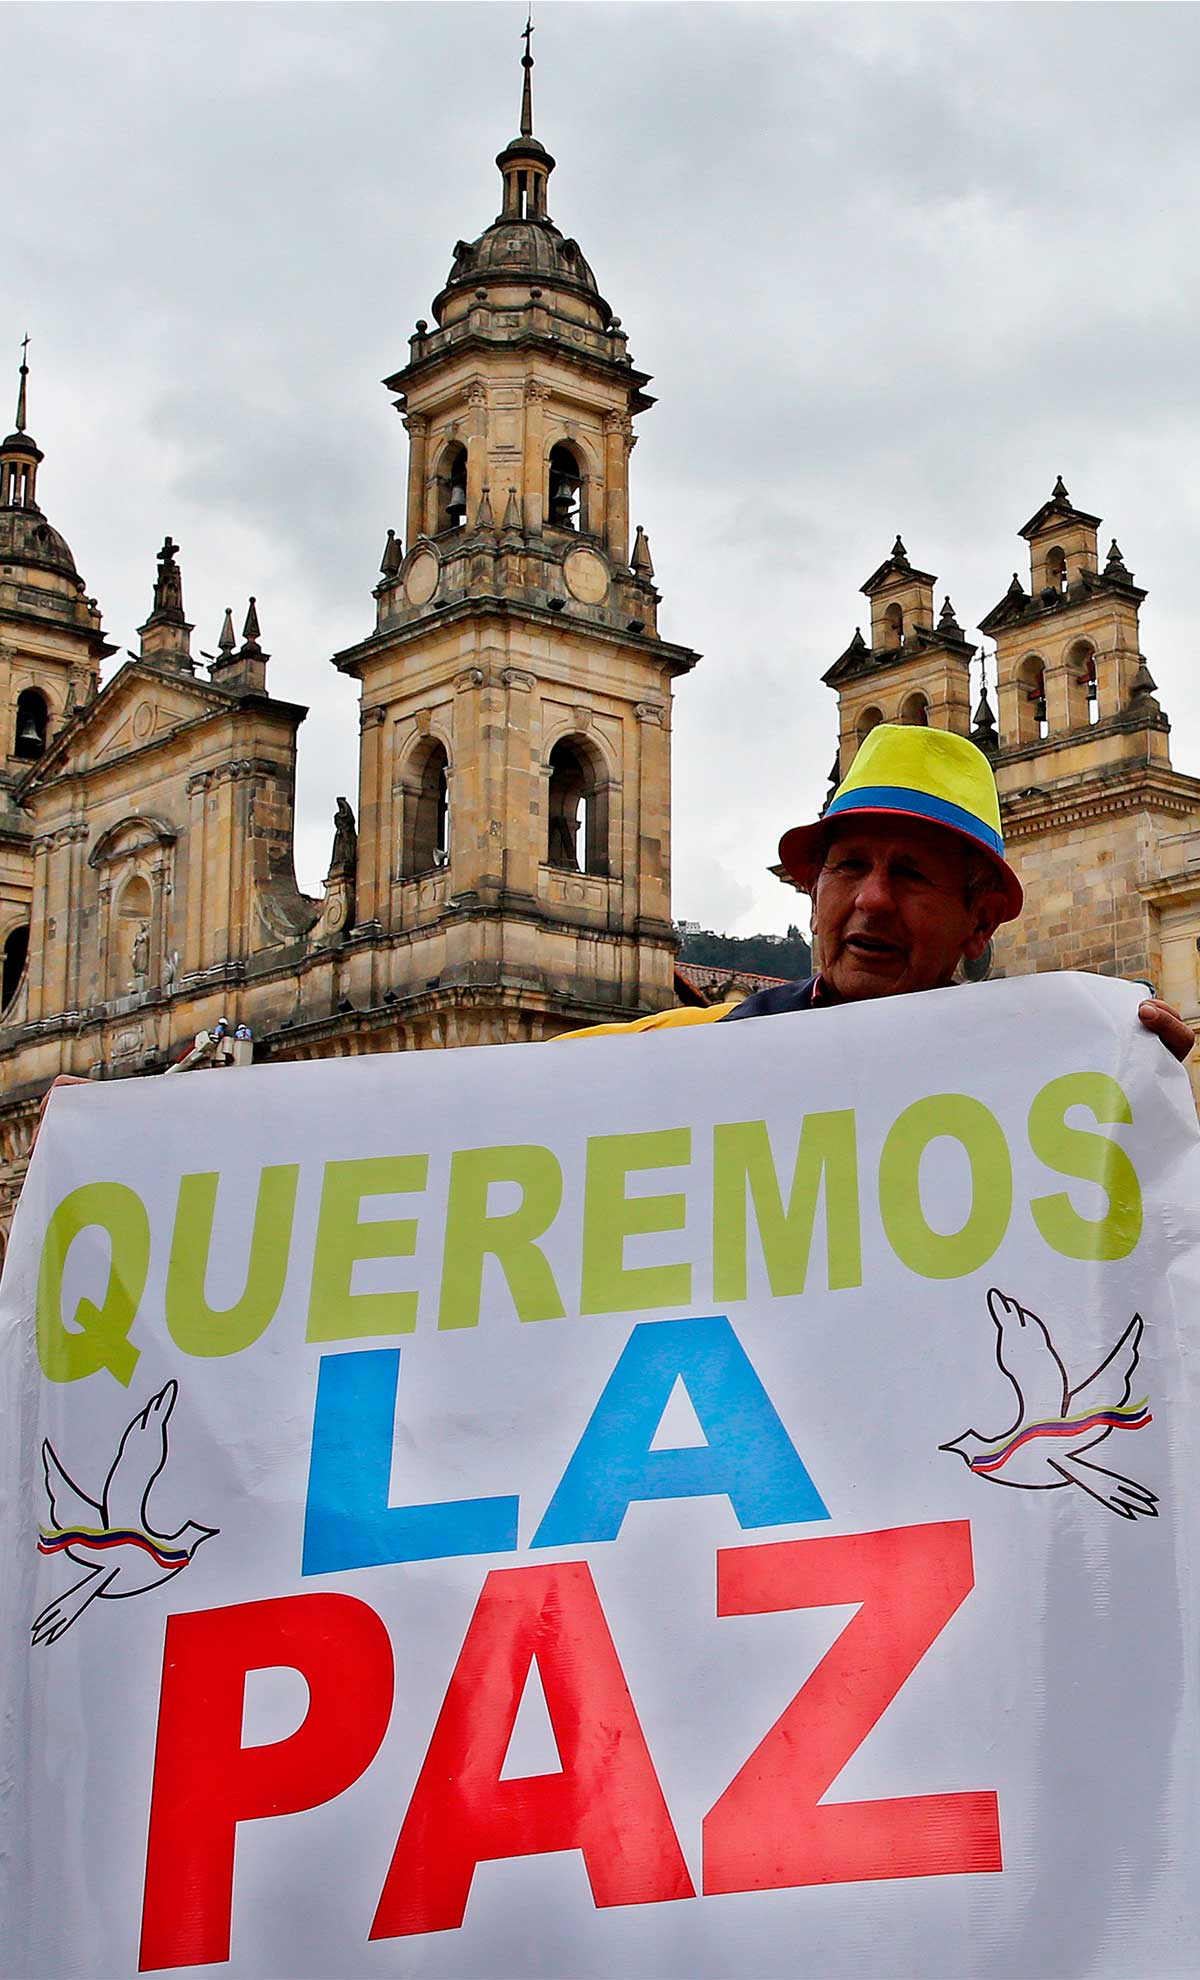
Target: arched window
x=577 y=830
x=915 y=711
x=1056 y=569
x=893 y=626
x=1083 y=692
x=33 y=717
x=565 y=504
x=1031 y=703
x=427 y=811
x=16 y=950
x=452 y=488
x=869 y=719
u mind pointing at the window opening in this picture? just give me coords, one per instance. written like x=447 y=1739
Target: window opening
x=429 y=839
x=452 y=489
x=33 y=718
x=1056 y=570
x=893 y=626
x=915 y=712
x=16 y=951
x=577 y=831
x=566 y=488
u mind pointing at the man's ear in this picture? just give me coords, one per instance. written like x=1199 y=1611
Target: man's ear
x=987 y=912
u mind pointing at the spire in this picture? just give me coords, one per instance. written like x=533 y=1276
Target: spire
x=1116 y=566
x=1059 y=491
x=899 y=553
x=641 y=560
x=525 y=164
x=393 y=556
x=21 y=413
x=243 y=669
x=983 y=732
x=1143 y=687
x=948 y=625
x=512 y=513
x=20 y=455
x=484 y=519
x=527 y=88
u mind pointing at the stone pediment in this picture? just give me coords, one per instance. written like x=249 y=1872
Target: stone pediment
x=140 y=706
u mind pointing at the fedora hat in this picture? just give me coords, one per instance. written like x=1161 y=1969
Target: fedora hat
x=910 y=772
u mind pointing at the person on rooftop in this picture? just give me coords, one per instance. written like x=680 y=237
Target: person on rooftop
x=908 y=880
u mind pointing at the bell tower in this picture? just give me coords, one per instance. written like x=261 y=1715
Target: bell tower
x=912 y=670
x=1097 y=822
x=51 y=646
x=514 y=850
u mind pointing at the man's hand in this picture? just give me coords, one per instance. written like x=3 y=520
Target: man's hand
x=1167 y=1024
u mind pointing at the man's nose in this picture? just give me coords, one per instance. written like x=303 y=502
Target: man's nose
x=874 y=893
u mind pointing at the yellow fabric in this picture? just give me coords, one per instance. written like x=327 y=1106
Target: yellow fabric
x=658 y=1021
x=932 y=761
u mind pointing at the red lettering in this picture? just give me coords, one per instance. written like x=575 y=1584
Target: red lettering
x=606 y=1801
x=767 y=1830
x=206 y=1782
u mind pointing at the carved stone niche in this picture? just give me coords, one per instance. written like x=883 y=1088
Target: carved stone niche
x=134 y=864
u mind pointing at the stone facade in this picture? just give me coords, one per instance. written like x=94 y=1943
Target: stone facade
x=1103 y=831
x=508 y=876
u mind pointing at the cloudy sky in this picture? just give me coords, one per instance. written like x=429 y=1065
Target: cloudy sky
x=892 y=268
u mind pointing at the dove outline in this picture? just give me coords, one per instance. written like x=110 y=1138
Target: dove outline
x=1055 y=1422
x=112 y=1538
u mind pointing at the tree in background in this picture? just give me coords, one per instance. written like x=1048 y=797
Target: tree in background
x=761 y=955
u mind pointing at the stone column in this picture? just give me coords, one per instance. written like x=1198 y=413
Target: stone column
x=533 y=466
x=417 y=428
x=618 y=439
x=476 y=439
x=373 y=822
x=197 y=869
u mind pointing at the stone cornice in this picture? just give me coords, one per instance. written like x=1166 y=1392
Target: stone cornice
x=677 y=659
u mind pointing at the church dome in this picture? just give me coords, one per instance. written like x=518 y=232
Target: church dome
x=27 y=538
x=522 y=250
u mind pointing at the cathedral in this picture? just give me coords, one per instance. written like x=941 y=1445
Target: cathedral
x=505 y=874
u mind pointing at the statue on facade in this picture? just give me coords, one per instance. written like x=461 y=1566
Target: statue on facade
x=168 y=585
x=344 y=857
x=141 y=950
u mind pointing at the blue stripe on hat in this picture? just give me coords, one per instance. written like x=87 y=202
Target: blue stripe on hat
x=897 y=797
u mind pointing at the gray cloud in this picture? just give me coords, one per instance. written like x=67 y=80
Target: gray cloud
x=893 y=268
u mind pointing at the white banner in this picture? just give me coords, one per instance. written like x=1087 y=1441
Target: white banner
x=716 y=1502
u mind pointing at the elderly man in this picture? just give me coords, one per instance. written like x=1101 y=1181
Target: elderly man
x=908 y=879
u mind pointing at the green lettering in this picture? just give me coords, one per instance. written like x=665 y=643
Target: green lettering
x=192 y=1323
x=334 y=1312
x=936 y=1254
x=609 y=1217
x=1094 y=1158
x=97 y=1337
x=509 y=1236
x=742 y=1161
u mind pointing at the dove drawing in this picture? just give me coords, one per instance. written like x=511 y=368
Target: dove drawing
x=113 y=1539
x=1056 y=1423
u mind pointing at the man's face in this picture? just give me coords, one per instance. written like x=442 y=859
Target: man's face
x=890 y=908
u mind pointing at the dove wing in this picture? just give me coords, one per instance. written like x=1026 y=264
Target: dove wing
x=1026 y=1353
x=68 y=1505
x=140 y=1457
x=1111 y=1384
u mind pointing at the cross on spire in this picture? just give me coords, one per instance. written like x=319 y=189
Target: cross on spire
x=527 y=89
x=21 y=414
